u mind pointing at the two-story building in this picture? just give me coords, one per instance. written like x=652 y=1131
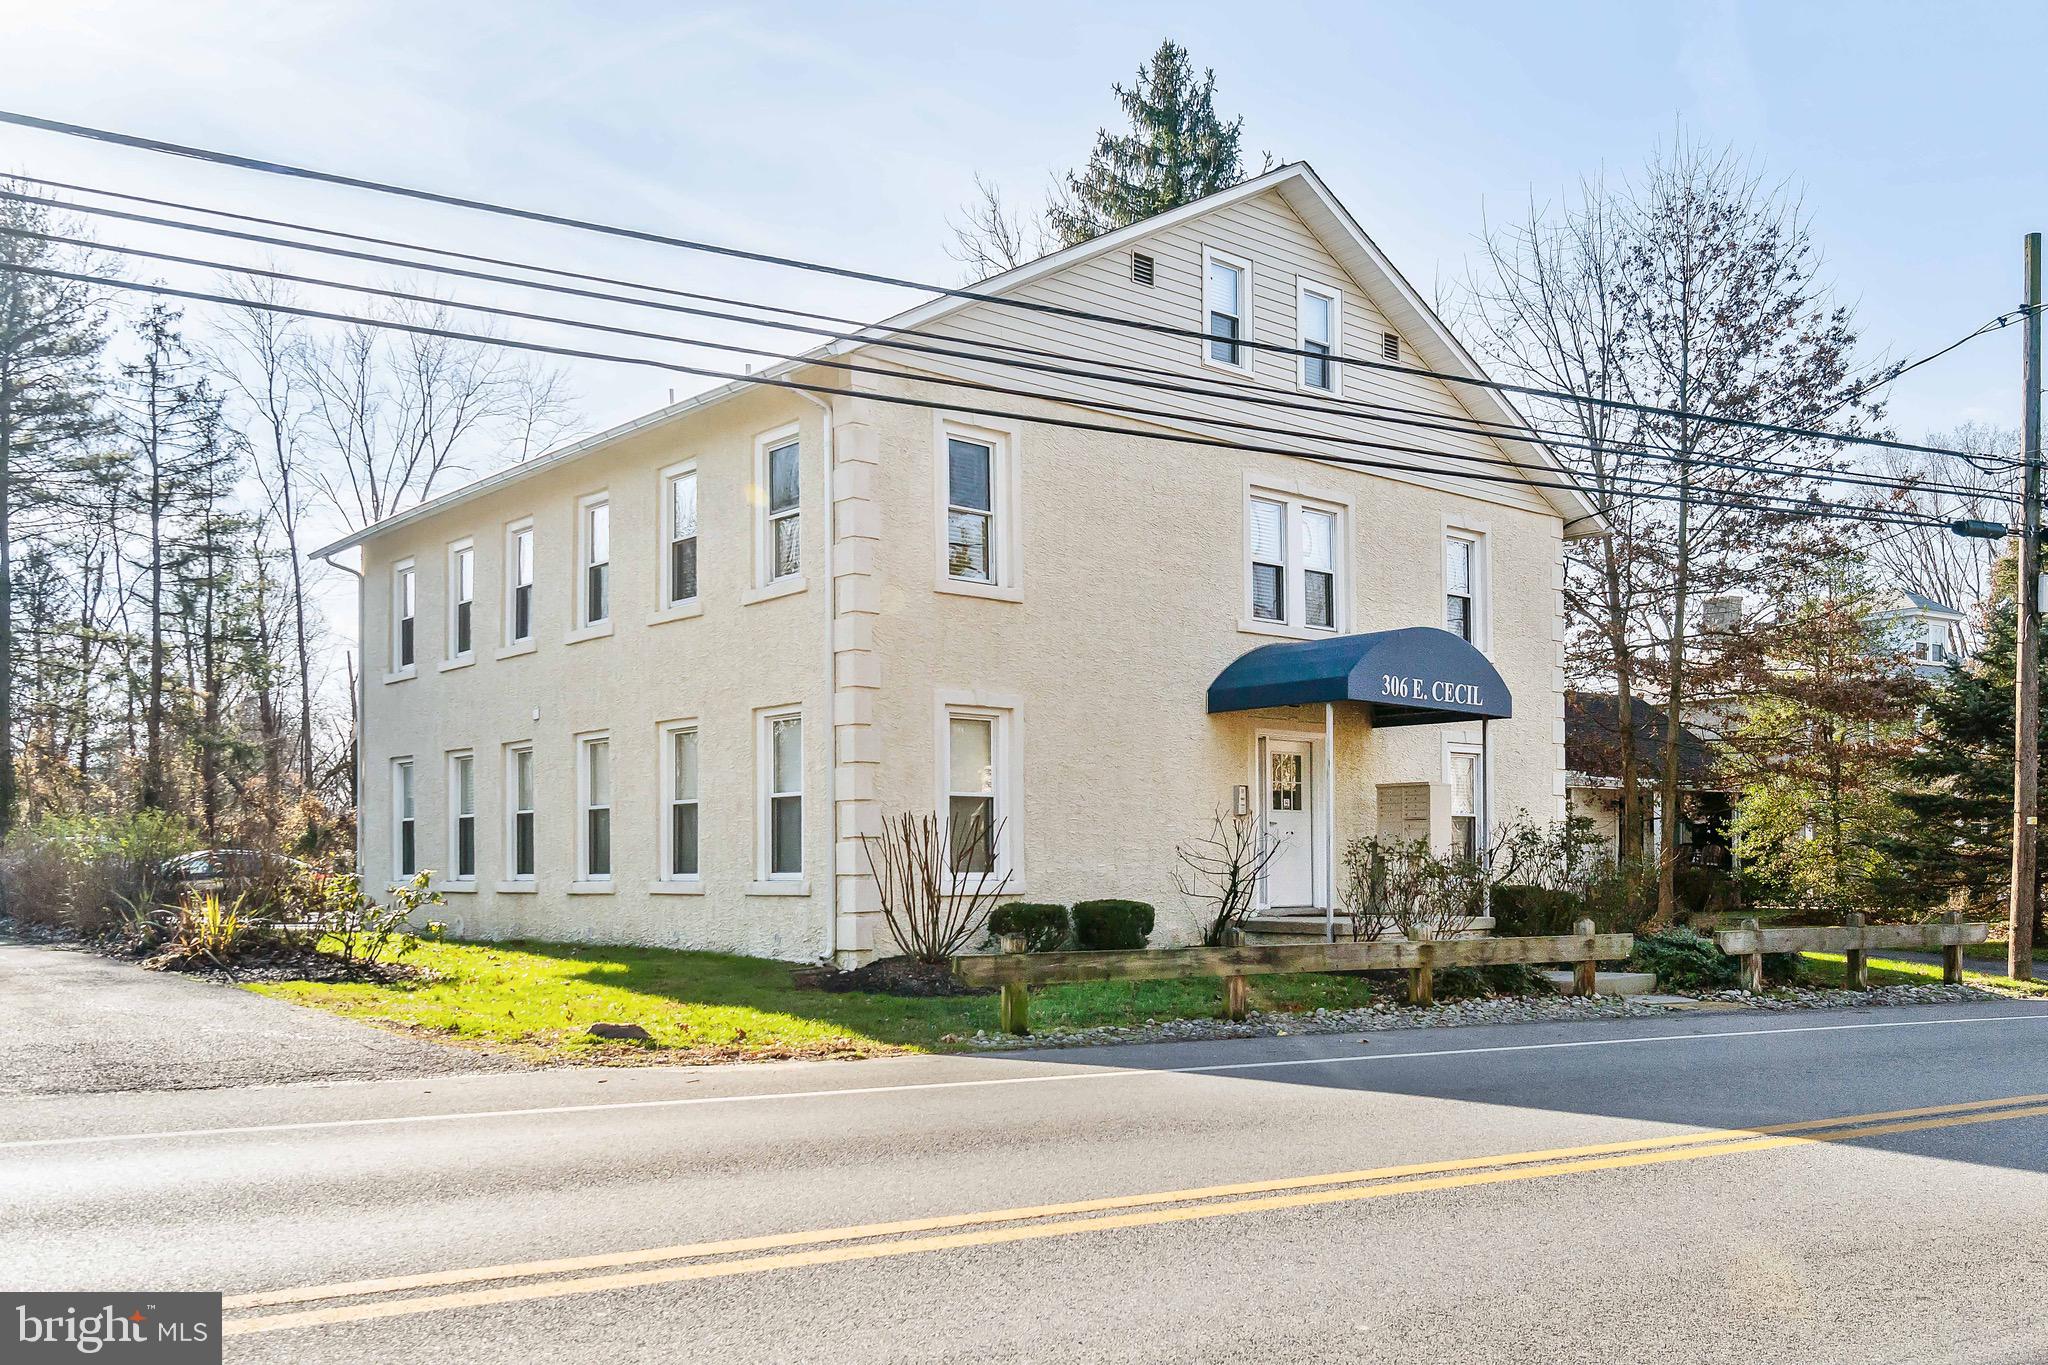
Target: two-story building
x=656 y=687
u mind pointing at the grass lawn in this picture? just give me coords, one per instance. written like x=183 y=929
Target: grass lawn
x=1825 y=969
x=535 y=999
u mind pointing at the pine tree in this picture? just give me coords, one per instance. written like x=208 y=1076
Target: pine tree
x=1959 y=780
x=1176 y=151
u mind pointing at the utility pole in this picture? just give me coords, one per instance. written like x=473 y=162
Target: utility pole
x=2026 y=778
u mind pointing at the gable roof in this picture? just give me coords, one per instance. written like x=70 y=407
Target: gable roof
x=1304 y=193
x=1593 y=730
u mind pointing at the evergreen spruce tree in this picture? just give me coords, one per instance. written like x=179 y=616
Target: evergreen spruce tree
x=1958 y=788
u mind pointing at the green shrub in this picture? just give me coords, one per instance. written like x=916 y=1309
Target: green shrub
x=1111 y=924
x=88 y=873
x=1528 y=911
x=1043 y=926
x=1685 y=961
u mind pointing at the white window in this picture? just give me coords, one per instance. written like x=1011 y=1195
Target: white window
x=779 y=477
x=462 y=817
x=594 y=796
x=1462 y=569
x=1295 y=555
x=594 y=542
x=1227 y=315
x=1319 y=310
x=404 y=820
x=679 y=524
x=781 y=766
x=519 y=844
x=404 y=610
x=461 y=599
x=679 y=828
x=1467 y=800
x=519 y=583
x=970 y=509
x=978 y=792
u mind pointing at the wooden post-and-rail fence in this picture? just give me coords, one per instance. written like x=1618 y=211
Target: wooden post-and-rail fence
x=1855 y=940
x=1015 y=971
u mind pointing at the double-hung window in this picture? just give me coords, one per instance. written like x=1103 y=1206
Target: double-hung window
x=519 y=843
x=1461 y=587
x=781 y=481
x=970 y=510
x=594 y=536
x=679 y=803
x=462 y=817
x=1294 y=573
x=679 y=513
x=781 y=764
x=404 y=611
x=461 y=600
x=971 y=810
x=1467 y=801
x=519 y=584
x=594 y=783
x=1319 y=310
x=1226 y=301
x=405 y=821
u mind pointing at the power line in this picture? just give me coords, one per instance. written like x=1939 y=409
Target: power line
x=1813 y=507
x=863 y=335
x=872 y=277
x=1763 y=500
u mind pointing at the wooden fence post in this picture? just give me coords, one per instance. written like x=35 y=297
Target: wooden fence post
x=1952 y=953
x=1013 y=1006
x=1583 y=982
x=1422 y=977
x=1236 y=990
x=1855 y=962
x=1753 y=960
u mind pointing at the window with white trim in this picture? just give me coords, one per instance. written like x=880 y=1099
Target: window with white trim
x=781 y=765
x=405 y=847
x=974 y=792
x=594 y=549
x=1319 y=312
x=778 y=530
x=519 y=813
x=1227 y=315
x=461 y=599
x=1466 y=776
x=1294 y=572
x=404 y=610
x=462 y=817
x=679 y=814
x=971 y=548
x=679 y=525
x=519 y=583
x=1461 y=586
x=594 y=792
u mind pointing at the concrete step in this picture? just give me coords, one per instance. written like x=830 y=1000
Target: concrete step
x=1608 y=983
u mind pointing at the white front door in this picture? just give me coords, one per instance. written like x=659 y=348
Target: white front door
x=1289 y=785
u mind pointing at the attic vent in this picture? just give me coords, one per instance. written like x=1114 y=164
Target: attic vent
x=1390 y=346
x=1141 y=268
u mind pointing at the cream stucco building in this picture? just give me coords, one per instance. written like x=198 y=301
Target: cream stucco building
x=655 y=687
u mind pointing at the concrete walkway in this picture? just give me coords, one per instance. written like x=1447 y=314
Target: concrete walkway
x=74 y=1022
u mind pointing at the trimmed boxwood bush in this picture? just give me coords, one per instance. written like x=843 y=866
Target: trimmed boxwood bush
x=1042 y=925
x=1112 y=924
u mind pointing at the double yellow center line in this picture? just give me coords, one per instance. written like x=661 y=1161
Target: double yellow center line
x=389 y=1297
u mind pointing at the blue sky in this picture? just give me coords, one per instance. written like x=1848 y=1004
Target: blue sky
x=846 y=133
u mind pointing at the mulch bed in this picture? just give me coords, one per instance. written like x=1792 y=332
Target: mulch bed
x=263 y=962
x=890 y=976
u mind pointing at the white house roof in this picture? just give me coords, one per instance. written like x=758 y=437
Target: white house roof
x=1305 y=194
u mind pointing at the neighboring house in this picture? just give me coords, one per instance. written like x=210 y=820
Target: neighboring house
x=1593 y=742
x=655 y=687
x=1931 y=633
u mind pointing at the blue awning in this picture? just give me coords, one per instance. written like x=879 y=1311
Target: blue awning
x=1416 y=676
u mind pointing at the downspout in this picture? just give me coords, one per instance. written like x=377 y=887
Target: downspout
x=1330 y=822
x=361 y=699
x=831 y=691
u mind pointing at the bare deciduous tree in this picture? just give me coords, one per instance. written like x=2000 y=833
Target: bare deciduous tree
x=1219 y=873
x=1932 y=560
x=990 y=236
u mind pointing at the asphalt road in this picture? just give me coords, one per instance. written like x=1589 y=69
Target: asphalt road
x=563 y=1216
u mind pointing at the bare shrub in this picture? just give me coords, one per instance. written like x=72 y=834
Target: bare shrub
x=1219 y=873
x=934 y=902
x=1401 y=889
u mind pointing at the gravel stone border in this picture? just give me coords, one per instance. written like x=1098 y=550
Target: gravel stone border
x=1384 y=1016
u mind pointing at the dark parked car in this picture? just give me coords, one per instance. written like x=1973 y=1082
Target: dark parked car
x=224 y=870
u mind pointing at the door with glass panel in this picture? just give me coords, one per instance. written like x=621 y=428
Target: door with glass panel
x=1289 y=797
